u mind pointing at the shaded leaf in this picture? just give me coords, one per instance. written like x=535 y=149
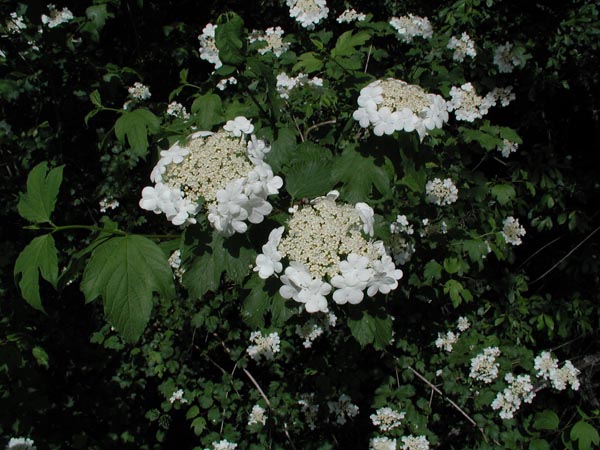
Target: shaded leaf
x=125 y=272
x=37 y=203
x=40 y=256
x=357 y=185
x=136 y=126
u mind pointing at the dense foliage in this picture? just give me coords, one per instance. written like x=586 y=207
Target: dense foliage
x=388 y=240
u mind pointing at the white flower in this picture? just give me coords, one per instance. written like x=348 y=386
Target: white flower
x=507 y=147
x=222 y=84
x=566 y=375
x=15 y=23
x=177 y=396
x=512 y=231
x=503 y=95
x=298 y=284
x=177 y=110
x=208 y=47
x=463 y=324
x=265 y=346
x=223 y=445
x=343 y=409
x=414 y=443
x=238 y=126
x=309 y=332
x=385 y=278
x=354 y=278
x=20 y=444
x=447 y=341
x=462 y=46
x=56 y=17
x=506 y=59
x=308 y=13
x=484 y=366
x=382 y=443
x=394 y=105
x=510 y=399
x=387 y=418
x=139 y=91
x=441 y=192
x=367 y=215
x=467 y=105
x=411 y=26
x=257 y=416
x=268 y=262
x=106 y=204
x=350 y=15
x=273 y=38
x=285 y=84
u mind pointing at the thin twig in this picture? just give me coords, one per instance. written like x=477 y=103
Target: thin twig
x=368 y=58
x=257 y=386
x=434 y=387
x=565 y=257
x=298 y=128
x=317 y=125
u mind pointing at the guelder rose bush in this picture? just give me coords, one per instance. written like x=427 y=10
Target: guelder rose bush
x=373 y=299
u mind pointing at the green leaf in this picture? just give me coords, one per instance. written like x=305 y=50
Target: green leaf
x=192 y=412
x=283 y=149
x=125 y=271
x=41 y=357
x=504 y=193
x=586 y=434
x=97 y=14
x=347 y=41
x=457 y=292
x=255 y=304
x=309 y=179
x=475 y=248
x=539 y=444
x=358 y=175
x=37 y=203
x=451 y=265
x=308 y=63
x=432 y=271
x=546 y=420
x=229 y=39
x=370 y=329
x=485 y=140
x=198 y=425
x=40 y=256
x=208 y=109
x=95 y=98
x=136 y=126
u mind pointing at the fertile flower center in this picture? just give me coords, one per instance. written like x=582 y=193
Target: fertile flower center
x=398 y=95
x=213 y=162
x=318 y=234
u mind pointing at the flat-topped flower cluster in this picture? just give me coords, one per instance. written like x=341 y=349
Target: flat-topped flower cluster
x=225 y=169
x=330 y=241
x=411 y=26
x=393 y=105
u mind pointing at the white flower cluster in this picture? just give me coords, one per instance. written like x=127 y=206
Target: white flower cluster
x=175 y=263
x=394 y=105
x=547 y=369
x=208 y=47
x=504 y=95
x=310 y=409
x=177 y=396
x=221 y=168
x=222 y=84
x=310 y=331
x=484 y=366
x=350 y=15
x=15 y=24
x=222 y=445
x=512 y=231
x=463 y=46
x=401 y=225
x=400 y=247
x=387 y=418
x=257 y=416
x=286 y=83
x=411 y=26
x=447 y=341
x=176 y=109
x=441 y=192
x=343 y=409
x=273 y=38
x=20 y=444
x=106 y=204
x=467 y=105
x=56 y=17
x=382 y=443
x=327 y=239
x=308 y=13
x=414 y=443
x=510 y=399
x=507 y=147
x=506 y=59
x=139 y=91
x=265 y=346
